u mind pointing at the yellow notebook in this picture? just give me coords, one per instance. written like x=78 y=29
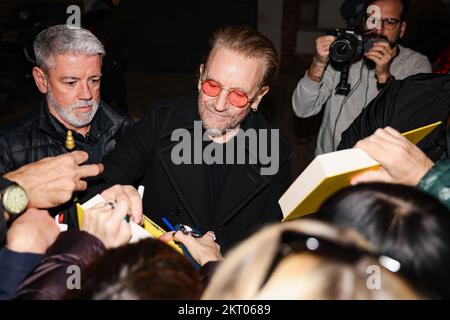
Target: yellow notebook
x=331 y=172
x=149 y=230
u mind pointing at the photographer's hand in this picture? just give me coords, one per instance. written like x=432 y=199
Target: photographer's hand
x=382 y=54
x=321 y=58
x=323 y=48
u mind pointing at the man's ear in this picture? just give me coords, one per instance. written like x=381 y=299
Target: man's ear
x=40 y=79
x=262 y=92
x=201 y=69
x=403 y=29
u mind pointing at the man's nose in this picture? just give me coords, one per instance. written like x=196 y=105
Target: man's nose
x=85 y=92
x=222 y=101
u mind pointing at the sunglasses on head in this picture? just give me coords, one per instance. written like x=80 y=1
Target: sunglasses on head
x=294 y=242
x=236 y=97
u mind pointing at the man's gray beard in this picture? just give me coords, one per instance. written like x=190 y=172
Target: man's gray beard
x=67 y=113
x=217 y=132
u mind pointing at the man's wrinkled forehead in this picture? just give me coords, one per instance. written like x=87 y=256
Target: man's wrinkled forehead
x=223 y=61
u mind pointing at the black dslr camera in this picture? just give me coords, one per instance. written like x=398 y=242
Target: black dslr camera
x=350 y=42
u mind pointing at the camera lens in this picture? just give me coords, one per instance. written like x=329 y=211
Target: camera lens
x=343 y=50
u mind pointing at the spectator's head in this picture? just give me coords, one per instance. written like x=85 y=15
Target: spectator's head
x=68 y=72
x=235 y=77
x=391 y=24
x=402 y=223
x=149 y=269
x=306 y=260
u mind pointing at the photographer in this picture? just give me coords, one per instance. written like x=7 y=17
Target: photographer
x=385 y=61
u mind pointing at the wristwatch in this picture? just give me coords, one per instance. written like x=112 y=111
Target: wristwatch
x=381 y=86
x=13 y=197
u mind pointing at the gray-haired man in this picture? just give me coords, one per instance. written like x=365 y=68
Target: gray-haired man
x=68 y=73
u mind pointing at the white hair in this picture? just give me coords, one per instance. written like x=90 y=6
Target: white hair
x=62 y=39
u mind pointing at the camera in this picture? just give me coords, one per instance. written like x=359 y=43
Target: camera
x=350 y=43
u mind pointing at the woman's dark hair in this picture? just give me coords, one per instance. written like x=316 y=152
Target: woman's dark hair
x=149 y=269
x=403 y=223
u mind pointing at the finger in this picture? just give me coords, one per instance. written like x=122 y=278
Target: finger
x=186 y=239
x=167 y=236
x=326 y=39
x=211 y=235
x=81 y=185
x=86 y=221
x=79 y=156
x=379 y=175
x=124 y=233
x=135 y=204
x=382 y=44
x=120 y=212
x=90 y=170
x=373 y=148
x=388 y=140
x=375 y=54
x=394 y=133
x=374 y=59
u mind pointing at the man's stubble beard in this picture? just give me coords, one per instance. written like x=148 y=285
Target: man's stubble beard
x=231 y=123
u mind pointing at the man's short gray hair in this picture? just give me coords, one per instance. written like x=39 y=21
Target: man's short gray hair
x=62 y=39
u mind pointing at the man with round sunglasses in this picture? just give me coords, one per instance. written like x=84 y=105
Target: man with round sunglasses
x=230 y=195
x=383 y=63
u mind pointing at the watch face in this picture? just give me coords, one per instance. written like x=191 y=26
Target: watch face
x=15 y=199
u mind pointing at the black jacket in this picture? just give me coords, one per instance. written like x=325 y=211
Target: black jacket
x=39 y=134
x=405 y=105
x=246 y=199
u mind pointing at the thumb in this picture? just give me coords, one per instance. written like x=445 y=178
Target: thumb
x=167 y=236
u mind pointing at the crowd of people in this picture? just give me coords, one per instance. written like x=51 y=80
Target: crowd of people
x=385 y=237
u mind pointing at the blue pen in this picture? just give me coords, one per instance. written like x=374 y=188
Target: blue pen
x=168 y=224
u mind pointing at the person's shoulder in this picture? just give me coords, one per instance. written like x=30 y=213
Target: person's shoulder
x=21 y=127
x=411 y=55
x=175 y=113
x=435 y=82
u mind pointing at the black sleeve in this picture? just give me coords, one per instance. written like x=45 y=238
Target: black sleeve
x=280 y=183
x=5 y=156
x=375 y=115
x=129 y=160
x=4 y=183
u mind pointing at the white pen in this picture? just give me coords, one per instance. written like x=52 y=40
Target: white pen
x=141 y=190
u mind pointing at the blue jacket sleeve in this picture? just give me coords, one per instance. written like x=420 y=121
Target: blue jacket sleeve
x=14 y=267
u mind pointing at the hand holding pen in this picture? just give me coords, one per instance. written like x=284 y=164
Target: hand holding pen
x=202 y=249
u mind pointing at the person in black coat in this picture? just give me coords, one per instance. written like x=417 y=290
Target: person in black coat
x=170 y=151
x=406 y=105
x=68 y=73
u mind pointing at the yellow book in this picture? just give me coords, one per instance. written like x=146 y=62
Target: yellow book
x=331 y=172
x=149 y=230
